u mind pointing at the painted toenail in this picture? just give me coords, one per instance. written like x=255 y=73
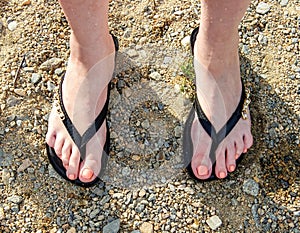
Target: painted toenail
x=237 y=156
x=245 y=151
x=72 y=177
x=222 y=175
x=202 y=170
x=231 y=168
x=87 y=173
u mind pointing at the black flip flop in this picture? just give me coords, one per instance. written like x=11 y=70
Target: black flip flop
x=217 y=137
x=82 y=140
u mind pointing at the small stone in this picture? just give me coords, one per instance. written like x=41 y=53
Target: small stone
x=245 y=49
x=25 y=164
x=178 y=131
x=214 y=222
x=146 y=227
x=12 y=25
x=155 y=76
x=35 y=78
x=12 y=101
x=59 y=71
x=251 y=187
x=20 y=92
x=26 y=3
x=112 y=227
x=50 y=86
x=2 y=214
x=15 y=199
x=263 y=8
x=145 y=124
x=185 y=41
x=94 y=213
x=142 y=193
x=284 y=2
x=51 y=64
x=132 y=53
x=135 y=231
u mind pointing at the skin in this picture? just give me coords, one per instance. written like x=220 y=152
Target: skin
x=84 y=90
x=219 y=86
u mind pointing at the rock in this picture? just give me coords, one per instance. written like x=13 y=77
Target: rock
x=178 y=131
x=145 y=124
x=135 y=231
x=15 y=199
x=26 y=3
x=245 y=49
x=284 y=2
x=142 y=193
x=185 y=41
x=25 y=164
x=155 y=76
x=5 y=159
x=51 y=64
x=20 y=92
x=35 y=78
x=94 y=213
x=2 y=214
x=251 y=187
x=263 y=8
x=146 y=227
x=214 y=222
x=72 y=230
x=50 y=86
x=112 y=227
x=132 y=53
x=12 y=25
x=12 y=101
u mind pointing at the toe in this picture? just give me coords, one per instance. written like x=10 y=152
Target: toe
x=88 y=169
x=50 y=139
x=221 y=171
x=74 y=161
x=239 y=148
x=248 y=142
x=230 y=158
x=66 y=152
x=59 y=142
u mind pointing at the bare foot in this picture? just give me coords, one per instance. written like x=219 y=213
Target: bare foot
x=89 y=71
x=219 y=90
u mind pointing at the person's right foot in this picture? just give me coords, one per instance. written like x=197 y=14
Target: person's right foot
x=84 y=92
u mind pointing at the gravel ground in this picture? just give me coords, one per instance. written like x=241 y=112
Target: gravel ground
x=156 y=195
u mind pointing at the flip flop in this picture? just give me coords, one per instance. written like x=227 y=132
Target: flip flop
x=217 y=137
x=81 y=140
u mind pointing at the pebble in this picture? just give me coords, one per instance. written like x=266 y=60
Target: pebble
x=132 y=53
x=51 y=64
x=251 y=187
x=146 y=227
x=12 y=25
x=155 y=76
x=50 y=86
x=25 y=164
x=72 y=230
x=178 y=131
x=185 y=41
x=94 y=213
x=15 y=199
x=35 y=78
x=263 y=8
x=284 y=2
x=214 y=222
x=26 y=2
x=145 y=124
x=112 y=227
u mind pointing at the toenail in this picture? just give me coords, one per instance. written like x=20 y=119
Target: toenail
x=231 y=168
x=87 y=173
x=202 y=170
x=72 y=177
x=245 y=151
x=237 y=156
x=222 y=175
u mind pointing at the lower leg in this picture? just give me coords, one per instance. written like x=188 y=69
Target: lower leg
x=219 y=85
x=89 y=70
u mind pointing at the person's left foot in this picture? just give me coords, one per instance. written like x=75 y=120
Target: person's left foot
x=219 y=90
